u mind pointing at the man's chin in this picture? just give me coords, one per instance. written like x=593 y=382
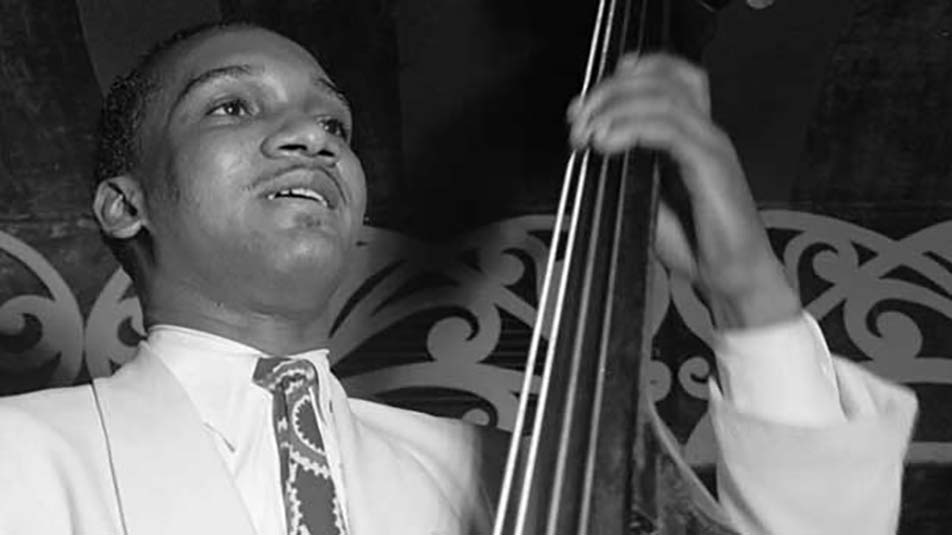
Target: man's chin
x=301 y=262
x=310 y=251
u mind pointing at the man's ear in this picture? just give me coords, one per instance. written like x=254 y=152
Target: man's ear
x=119 y=206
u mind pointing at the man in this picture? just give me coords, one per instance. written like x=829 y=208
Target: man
x=229 y=191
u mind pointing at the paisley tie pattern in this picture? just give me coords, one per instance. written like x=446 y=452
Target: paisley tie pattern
x=311 y=503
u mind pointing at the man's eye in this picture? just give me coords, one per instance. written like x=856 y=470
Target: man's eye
x=231 y=108
x=335 y=127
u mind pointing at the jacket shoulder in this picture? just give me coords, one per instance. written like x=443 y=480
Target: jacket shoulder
x=57 y=410
x=54 y=466
x=61 y=424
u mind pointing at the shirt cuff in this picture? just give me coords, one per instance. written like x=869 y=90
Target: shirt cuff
x=782 y=373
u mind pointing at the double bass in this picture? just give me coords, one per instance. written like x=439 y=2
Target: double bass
x=593 y=457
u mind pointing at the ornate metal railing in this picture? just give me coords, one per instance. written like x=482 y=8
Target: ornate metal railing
x=882 y=301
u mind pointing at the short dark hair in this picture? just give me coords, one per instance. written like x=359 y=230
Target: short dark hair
x=123 y=112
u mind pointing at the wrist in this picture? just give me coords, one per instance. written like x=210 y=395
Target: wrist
x=767 y=299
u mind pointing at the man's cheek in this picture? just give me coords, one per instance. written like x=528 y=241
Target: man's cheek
x=219 y=154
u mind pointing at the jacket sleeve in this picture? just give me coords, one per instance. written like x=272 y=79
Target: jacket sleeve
x=776 y=478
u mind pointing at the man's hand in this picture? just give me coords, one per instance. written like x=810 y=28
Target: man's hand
x=662 y=102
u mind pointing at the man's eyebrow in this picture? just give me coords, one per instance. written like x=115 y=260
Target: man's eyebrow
x=211 y=75
x=239 y=71
x=328 y=86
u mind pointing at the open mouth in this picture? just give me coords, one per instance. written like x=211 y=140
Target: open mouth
x=302 y=193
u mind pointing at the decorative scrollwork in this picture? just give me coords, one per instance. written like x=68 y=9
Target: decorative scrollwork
x=61 y=322
x=459 y=342
x=873 y=290
x=869 y=289
x=114 y=313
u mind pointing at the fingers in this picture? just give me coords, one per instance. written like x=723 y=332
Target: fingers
x=686 y=82
x=650 y=88
x=651 y=118
x=658 y=102
x=633 y=97
x=691 y=77
x=662 y=102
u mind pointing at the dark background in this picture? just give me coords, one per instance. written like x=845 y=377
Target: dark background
x=837 y=107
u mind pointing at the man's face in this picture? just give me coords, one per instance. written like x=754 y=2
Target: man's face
x=253 y=191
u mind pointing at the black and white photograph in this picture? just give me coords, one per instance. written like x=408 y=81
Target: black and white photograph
x=475 y=267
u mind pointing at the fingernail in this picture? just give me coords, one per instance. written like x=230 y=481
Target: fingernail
x=581 y=133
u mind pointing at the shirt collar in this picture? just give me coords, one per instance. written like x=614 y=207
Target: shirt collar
x=215 y=372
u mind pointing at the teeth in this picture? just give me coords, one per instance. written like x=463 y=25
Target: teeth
x=306 y=193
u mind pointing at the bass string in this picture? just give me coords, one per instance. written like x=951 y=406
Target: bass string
x=603 y=27
x=536 y=436
x=570 y=395
x=593 y=240
x=531 y=361
x=545 y=293
x=571 y=177
x=575 y=363
x=588 y=475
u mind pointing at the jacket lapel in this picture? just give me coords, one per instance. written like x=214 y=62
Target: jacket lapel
x=168 y=474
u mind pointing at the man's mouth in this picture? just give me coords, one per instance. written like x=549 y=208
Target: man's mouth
x=302 y=183
x=301 y=193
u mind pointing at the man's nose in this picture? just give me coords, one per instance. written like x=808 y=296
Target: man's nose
x=303 y=136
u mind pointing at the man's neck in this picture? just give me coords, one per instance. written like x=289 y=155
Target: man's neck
x=272 y=331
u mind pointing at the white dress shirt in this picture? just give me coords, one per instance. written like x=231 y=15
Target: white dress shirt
x=782 y=373
x=216 y=373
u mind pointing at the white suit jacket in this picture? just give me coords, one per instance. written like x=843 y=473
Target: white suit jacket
x=129 y=454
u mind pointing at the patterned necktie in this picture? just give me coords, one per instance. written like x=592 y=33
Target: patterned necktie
x=310 y=502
